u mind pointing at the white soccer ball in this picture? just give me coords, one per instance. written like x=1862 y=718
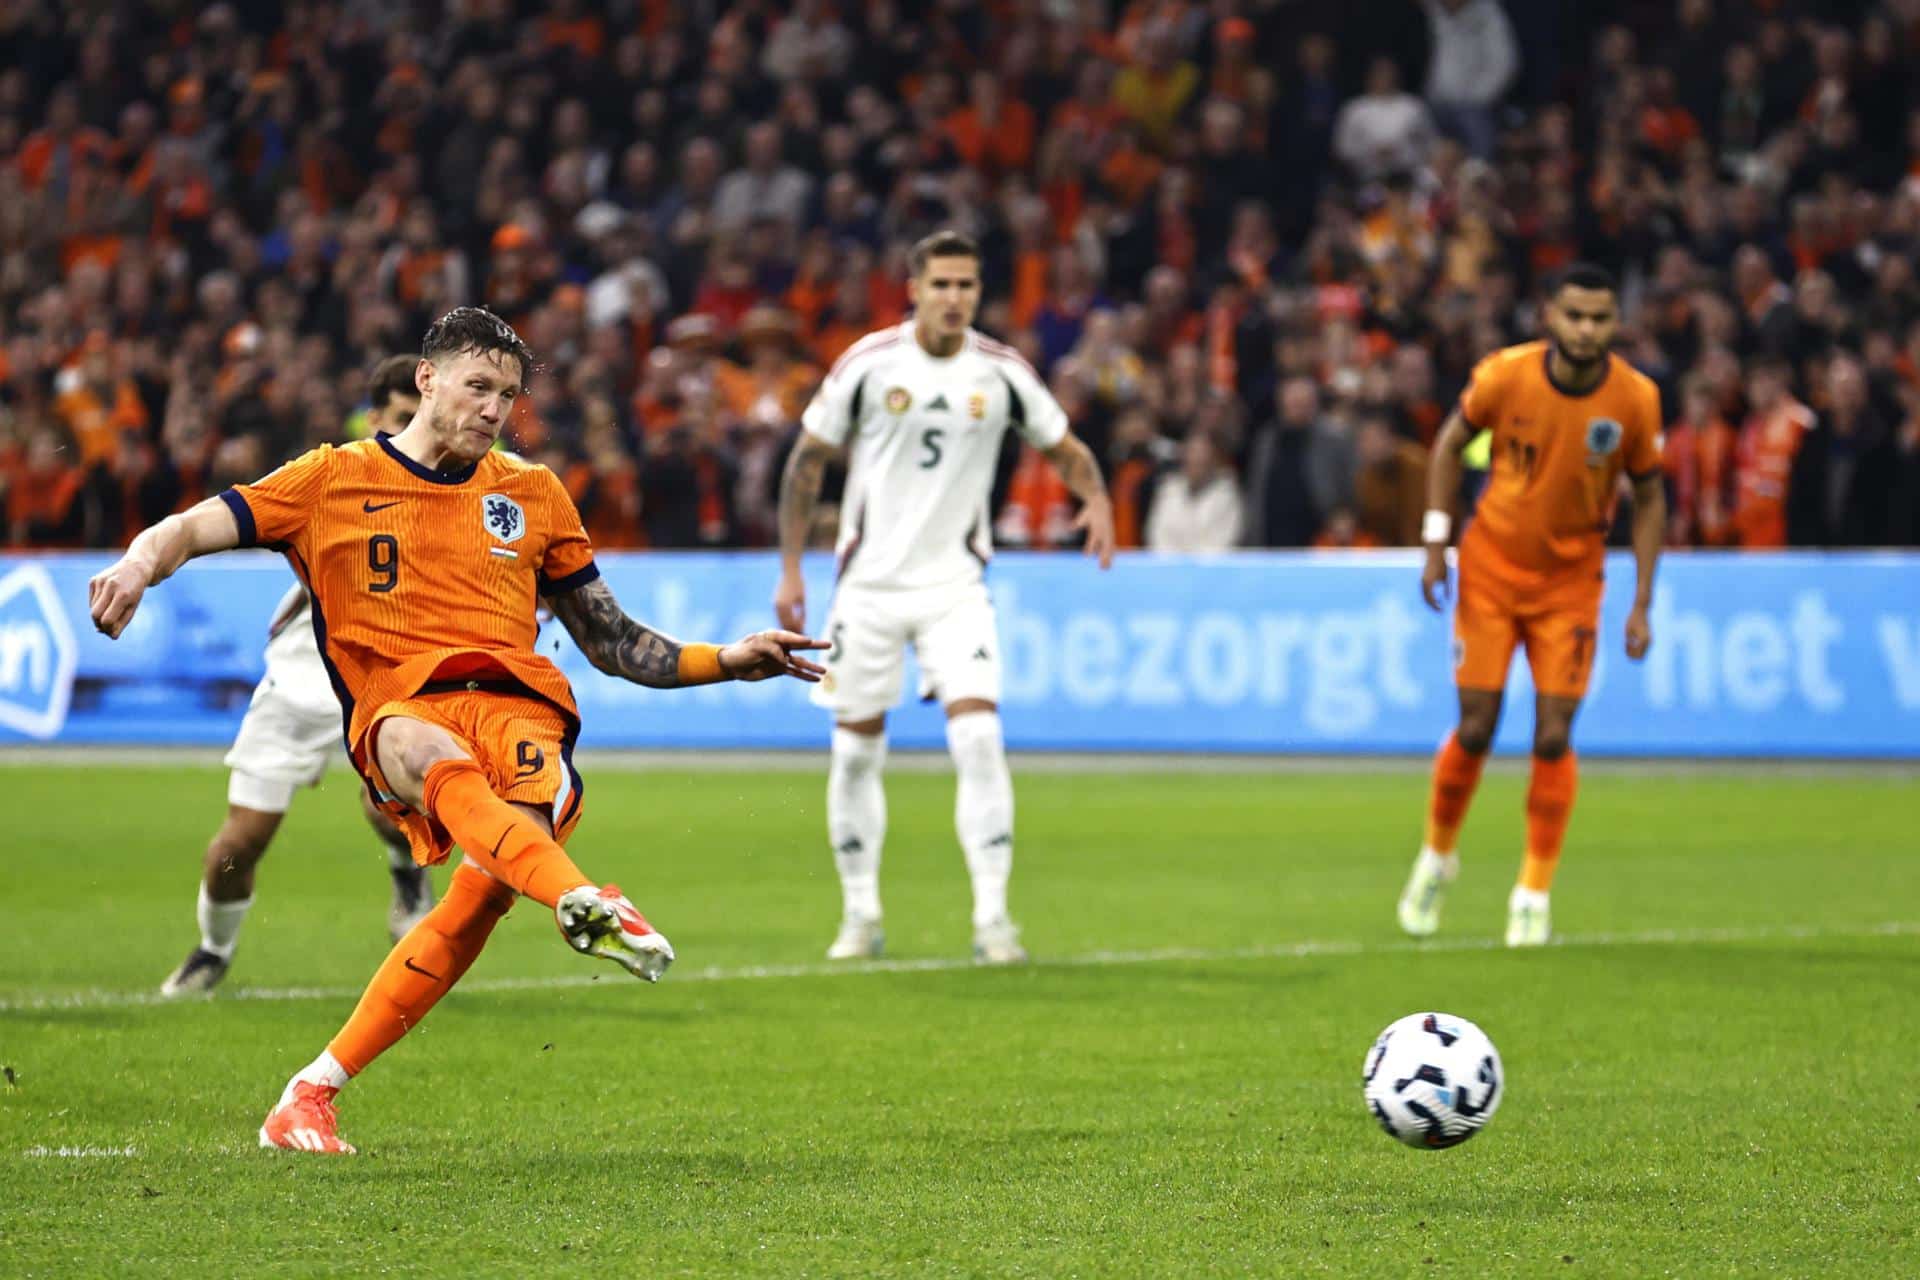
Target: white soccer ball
x=1433 y=1080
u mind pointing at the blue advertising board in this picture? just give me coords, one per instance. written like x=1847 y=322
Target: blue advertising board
x=1755 y=654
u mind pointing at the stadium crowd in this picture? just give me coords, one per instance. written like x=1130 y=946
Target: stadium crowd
x=1255 y=245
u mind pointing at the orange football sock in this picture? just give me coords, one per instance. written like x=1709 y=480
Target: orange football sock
x=1549 y=805
x=422 y=967
x=512 y=847
x=1456 y=772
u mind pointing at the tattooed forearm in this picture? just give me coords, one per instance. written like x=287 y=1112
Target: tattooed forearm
x=800 y=493
x=1078 y=470
x=614 y=642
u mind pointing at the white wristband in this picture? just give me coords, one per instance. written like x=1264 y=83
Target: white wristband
x=1436 y=527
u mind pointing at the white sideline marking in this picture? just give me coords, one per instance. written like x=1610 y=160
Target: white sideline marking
x=78 y=1153
x=98 y=999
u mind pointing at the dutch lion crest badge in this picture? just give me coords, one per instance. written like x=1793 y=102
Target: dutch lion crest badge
x=503 y=517
x=1603 y=439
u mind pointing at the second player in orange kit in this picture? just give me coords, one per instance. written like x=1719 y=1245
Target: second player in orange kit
x=1568 y=418
x=426 y=553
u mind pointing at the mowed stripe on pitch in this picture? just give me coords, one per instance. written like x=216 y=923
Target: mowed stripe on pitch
x=1306 y=950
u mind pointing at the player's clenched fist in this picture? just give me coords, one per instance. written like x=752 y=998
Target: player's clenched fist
x=766 y=654
x=113 y=594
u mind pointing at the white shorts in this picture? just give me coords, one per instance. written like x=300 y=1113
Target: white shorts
x=954 y=636
x=282 y=745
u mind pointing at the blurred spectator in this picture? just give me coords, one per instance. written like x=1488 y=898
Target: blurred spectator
x=1282 y=497
x=1384 y=130
x=1343 y=532
x=1390 y=486
x=1700 y=464
x=1769 y=443
x=1198 y=508
x=765 y=189
x=43 y=508
x=1474 y=60
x=1843 y=477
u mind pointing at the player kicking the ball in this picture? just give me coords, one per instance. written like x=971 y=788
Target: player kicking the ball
x=1567 y=417
x=425 y=554
x=921 y=409
x=290 y=735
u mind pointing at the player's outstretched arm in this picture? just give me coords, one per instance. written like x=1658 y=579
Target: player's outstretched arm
x=622 y=647
x=1443 y=486
x=114 y=593
x=799 y=499
x=1081 y=474
x=1649 y=530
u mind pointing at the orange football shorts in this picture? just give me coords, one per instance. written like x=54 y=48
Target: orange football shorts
x=1556 y=616
x=524 y=744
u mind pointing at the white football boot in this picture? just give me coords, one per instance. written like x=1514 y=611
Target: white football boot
x=998 y=942
x=1528 y=923
x=860 y=938
x=599 y=921
x=1426 y=889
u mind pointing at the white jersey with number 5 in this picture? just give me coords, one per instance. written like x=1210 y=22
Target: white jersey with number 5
x=923 y=435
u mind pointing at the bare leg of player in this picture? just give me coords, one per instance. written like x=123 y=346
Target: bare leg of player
x=857 y=828
x=226 y=895
x=983 y=819
x=1456 y=774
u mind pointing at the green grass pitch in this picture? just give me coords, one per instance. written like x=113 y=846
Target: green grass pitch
x=1715 y=1075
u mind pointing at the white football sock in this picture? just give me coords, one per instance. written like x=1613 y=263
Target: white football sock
x=1444 y=865
x=983 y=809
x=220 y=923
x=857 y=817
x=325 y=1069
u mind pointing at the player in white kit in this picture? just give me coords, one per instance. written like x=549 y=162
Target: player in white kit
x=920 y=411
x=291 y=733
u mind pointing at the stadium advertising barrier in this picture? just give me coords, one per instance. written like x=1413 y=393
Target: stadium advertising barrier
x=1805 y=655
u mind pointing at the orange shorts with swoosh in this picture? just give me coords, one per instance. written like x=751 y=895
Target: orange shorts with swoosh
x=523 y=743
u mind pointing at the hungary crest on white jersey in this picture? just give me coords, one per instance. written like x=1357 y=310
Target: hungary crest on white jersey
x=923 y=437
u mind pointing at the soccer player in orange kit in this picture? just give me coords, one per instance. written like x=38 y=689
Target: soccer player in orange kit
x=1568 y=417
x=426 y=553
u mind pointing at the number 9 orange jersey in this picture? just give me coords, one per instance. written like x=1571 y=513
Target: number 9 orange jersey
x=420 y=575
x=1557 y=458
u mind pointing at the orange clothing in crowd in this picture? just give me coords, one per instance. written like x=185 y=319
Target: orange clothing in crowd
x=1039 y=509
x=41 y=497
x=1004 y=144
x=1763 y=465
x=98 y=424
x=743 y=389
x=833 y=339
x=1700 y=460
x=42 y=154
x=1029 y=287
x=1129 y=512
x=586 y=36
